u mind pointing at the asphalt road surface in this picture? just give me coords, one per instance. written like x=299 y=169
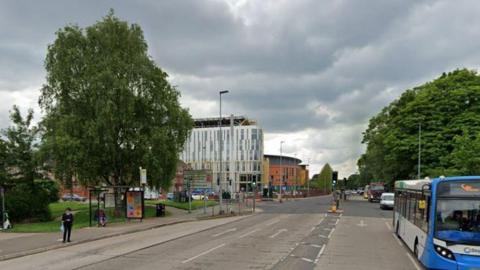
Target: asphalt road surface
x=296 y=234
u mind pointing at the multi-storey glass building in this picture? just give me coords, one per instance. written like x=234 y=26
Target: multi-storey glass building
x=240 y=162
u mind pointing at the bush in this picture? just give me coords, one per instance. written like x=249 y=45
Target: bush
x=51 y=188
x=28 y=202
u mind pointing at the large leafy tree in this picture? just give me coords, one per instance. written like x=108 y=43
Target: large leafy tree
x=109 y=108
x=19 y=150
x=323 y=180
x=447 y=110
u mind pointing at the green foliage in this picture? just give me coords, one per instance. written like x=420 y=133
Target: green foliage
x=323 y=180
x=24 y=203
x=109 y=108
x=20 y=148
x=51 y=188
x=25 y=198
x=448 y=110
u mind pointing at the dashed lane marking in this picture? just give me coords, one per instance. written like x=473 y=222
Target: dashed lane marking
x=203 y=253
x=247 y=234
x=227 y=231
x=273 y=222
x=277 y=233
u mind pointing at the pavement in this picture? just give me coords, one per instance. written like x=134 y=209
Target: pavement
x=13 y=245
x=295 y=234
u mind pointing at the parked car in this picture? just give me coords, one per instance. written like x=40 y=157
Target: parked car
x=170 y=196
x=73 y=197
x=198 y=196
x=387 y=200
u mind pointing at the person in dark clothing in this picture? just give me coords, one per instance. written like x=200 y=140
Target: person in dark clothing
x=67 y=221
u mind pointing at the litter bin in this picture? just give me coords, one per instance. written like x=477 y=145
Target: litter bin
x=160 y=209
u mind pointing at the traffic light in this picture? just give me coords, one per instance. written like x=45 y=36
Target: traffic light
x=218 y=181
x=229 y=181
x=335 y=176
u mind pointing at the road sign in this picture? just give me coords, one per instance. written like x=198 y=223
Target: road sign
x=199 y=179
x=143 y=176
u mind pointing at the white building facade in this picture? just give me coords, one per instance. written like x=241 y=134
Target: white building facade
x=241 y=156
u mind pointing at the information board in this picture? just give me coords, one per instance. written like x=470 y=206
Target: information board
x=199 y=179
x=134 y=204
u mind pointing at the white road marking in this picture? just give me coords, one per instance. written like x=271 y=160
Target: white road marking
x=227 y=231
x=326 y=229
x=321 y=220
x=319 y=254
x=313 y=245
x=307 y=260
x=273 y=222
x=247 y=234
x=331 y=232
x=323 y=236
x=362 y=223
x=312 y=229
x=388 y=226
x=398 y=240
x=277 y=233
x=60 y=240
x=336 y=222
x=203 y=253
x=340 y=215
x=413 y=261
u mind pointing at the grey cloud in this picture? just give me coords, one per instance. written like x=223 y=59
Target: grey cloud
x=318 y=67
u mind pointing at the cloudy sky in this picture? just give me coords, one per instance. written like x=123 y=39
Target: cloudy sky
x=310 y=72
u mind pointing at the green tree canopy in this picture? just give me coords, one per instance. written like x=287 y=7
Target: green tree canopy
x=323 y=180
x=109 y=109
x=18 y=150
x=448 y=112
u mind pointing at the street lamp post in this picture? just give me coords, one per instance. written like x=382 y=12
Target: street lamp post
x=281 y=168
x=254 y=187
x=221 y=150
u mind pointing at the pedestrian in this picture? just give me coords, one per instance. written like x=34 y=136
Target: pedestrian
x=67 y=221
x=103 y=218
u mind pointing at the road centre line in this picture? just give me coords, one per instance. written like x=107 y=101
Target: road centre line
x=203 y=253
x=277 y=233
x=319 y=253
x=413 y=261
x=247 y=234
x=388 y=226
x=227 y=231
x=331 y=232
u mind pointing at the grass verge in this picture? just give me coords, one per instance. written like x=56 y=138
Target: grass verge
x=81 y=217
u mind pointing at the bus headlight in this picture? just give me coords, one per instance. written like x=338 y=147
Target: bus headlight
x=444 y=252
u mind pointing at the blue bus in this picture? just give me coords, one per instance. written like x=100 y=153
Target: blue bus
x=439 y=220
